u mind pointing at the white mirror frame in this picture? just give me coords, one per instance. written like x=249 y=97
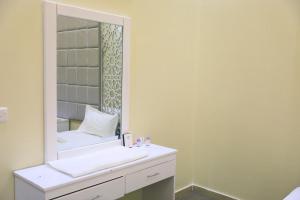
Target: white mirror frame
x=51 y=10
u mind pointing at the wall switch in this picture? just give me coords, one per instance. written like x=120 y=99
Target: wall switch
x=3 y=114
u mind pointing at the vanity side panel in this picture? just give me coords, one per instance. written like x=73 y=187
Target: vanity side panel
x=25 y=191
x=163 y=190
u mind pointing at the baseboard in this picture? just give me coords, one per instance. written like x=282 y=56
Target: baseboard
x=184 y=191
x=202 y=190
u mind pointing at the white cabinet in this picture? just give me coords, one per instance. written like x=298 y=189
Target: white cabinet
x=155 y=174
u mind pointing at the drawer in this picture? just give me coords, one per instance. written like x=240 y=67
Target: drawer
x=110 y=190
x=149 y=176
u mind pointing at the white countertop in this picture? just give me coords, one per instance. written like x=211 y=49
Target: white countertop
x=46 y=178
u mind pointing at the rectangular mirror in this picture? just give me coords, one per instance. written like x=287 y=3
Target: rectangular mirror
x=86 y=79
x=89 y=73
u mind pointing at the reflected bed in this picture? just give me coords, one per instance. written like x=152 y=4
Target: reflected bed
x=74 y=139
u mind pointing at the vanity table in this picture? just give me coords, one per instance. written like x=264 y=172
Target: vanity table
x=86 y=106
x=154 y=174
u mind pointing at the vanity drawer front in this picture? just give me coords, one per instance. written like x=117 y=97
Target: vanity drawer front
x=150 y=175
x=110 y=190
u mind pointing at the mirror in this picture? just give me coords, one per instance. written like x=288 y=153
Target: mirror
x=89 y=82
x=86 y=79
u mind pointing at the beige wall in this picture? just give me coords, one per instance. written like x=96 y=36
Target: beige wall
x=248 y=108
x=21 y=87
x=224 y=72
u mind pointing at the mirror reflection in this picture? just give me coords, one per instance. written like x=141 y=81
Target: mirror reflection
x=89 y=82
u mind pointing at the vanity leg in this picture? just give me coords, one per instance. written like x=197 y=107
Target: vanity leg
x=163 y=190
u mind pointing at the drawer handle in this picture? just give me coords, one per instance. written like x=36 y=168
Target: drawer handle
x=152 y=175
x=96 y=197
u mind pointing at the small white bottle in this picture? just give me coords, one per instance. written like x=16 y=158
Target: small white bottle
x=147 y=141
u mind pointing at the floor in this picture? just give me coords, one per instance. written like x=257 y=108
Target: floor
x=195 y=195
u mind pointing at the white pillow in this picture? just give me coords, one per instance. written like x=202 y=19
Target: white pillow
x=98 y=123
